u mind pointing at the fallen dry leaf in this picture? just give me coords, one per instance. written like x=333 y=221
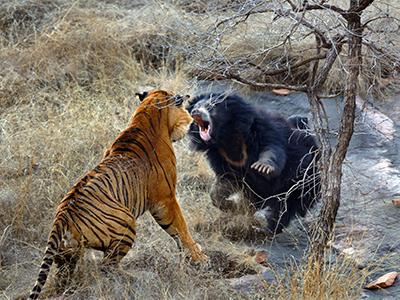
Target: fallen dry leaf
x=261 y=257
x=383 y=282
x=396 y=202
x=282 y=92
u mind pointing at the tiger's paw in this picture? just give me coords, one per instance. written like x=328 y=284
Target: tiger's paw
x=197 y=255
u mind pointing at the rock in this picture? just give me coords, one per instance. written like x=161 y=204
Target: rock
x=384 y=281
x=245 y=282
x=349 y=251
x=269 y=276
x=282 y=92
x=396 y=202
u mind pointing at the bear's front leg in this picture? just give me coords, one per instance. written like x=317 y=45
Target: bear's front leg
x=270 y=163
x=221 y=195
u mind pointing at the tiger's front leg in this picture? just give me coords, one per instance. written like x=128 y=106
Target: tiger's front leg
x=170 y=218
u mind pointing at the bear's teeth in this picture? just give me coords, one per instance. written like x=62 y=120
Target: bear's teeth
x=204 y=134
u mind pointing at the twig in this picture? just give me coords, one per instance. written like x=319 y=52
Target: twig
x=241 y=80
x=294 y=66
x=4 y=235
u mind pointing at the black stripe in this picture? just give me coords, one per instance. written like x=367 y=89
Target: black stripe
x=149 y=141
x=109 y=226
x=107 y=182
x=136 y=154
x=126 y=146
x=88 y=220
x=45 y=266
x=91 y=229
x=72 y=213
x=48 y=260
x=126 y=138
x=153 y=149
x=123 y=149
x=149 y=118
x=107 y=217
x=63 y=219
x=159 y=117
x=124 y=186
x=156 y=217
x=169 y=147
x=151 y=124
x=78 y=227
x=140 y=206
x=52 y=243
x=116 y=175
x=140 y=145
x=34 y=295
x=165 y=226
x=120 y=235
x=36 y=289
x=122 y=242
x=93 y=194
x=165 y=173
x=90 y=213
x=97 y=169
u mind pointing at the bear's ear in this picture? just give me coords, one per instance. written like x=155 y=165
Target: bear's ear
x=142 y=96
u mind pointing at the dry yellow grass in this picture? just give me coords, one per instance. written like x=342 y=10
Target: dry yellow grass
x=68 y=73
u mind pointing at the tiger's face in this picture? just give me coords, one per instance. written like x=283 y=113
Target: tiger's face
x=179 y=119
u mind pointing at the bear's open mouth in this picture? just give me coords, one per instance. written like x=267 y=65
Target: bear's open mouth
x=204 y=127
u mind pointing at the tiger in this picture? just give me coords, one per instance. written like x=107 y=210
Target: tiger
x=136 y=174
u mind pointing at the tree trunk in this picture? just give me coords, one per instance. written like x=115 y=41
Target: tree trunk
x=331 y=163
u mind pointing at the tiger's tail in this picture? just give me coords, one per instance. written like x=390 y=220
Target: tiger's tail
x=53 y=244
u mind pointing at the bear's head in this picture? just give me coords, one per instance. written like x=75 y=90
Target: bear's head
x=221 y=121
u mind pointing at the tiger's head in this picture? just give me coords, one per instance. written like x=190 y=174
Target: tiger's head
x=168 y=105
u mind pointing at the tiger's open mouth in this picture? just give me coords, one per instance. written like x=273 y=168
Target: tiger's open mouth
x=205 y=127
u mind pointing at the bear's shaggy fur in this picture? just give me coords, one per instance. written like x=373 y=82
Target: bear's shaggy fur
x=267 y=157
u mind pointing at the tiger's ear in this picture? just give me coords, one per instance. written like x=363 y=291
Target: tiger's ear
x=179 y=99
x=142 y=96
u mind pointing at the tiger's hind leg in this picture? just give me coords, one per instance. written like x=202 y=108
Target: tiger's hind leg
x=66 y=262
x=170 y=218
x=119 y=235
x=116 y=251
x=123 y=237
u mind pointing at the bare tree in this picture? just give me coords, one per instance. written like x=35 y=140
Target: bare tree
x=335 y=29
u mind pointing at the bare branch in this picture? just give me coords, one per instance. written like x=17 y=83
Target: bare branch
x=300 y=19
x=326 y=68
x=294 y=7
x=294 y=66
x=245 y=15
x=320 y=6
x=363 y=4
x=241 y=80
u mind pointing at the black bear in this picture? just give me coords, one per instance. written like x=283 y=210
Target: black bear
x=270 y=158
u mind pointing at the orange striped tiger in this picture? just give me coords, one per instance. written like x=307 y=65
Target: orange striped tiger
x=136 y=174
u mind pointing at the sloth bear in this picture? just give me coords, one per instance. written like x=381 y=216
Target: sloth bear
x=270 y=159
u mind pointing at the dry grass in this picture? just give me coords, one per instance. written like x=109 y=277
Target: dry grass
x=338 y=280
x=68 y=73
